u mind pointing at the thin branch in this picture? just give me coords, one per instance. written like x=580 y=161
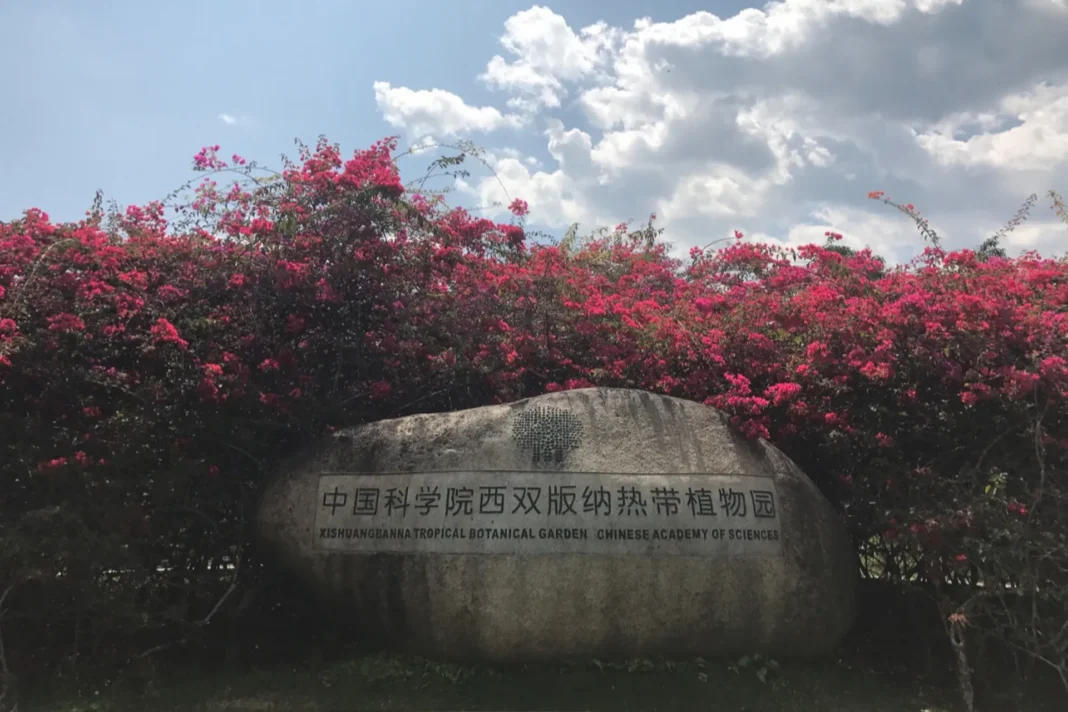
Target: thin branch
x=237 y=568
x=242 y=451
x=37 y=264
x=986 y=450
x=164 y=646
x=423 y=398
x=203 y=621
x=1040 y=451
x=4 y=598
x=219 y=604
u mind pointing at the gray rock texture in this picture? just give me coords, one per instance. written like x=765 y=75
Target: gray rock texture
x=559 y=605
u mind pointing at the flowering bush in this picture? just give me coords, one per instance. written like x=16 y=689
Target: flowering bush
x=152 y=368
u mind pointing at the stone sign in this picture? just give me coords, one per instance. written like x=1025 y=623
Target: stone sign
x=510 y=513
x=606 y=523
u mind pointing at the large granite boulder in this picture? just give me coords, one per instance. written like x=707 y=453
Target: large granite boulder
x=590 y=523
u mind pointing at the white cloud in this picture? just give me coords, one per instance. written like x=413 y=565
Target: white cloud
x=778 y=121
x=1039 y=142
x=228 y=119
x=547 y=52
x=779 y=27
x=437 y=112
x=572 y=149
x=554 y=195
x=717 y=191
x=1046 y=237
x=881 y=232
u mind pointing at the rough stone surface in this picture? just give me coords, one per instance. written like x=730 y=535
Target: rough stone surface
x=567 y=605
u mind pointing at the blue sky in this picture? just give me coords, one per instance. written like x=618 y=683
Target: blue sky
x=776 y=121
x=119 y=95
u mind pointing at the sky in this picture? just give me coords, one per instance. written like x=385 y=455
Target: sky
x=774 y=119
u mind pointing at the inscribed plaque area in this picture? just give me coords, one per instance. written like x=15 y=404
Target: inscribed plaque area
x=506 y=513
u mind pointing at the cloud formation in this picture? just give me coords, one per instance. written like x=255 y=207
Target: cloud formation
x=778 y=121
x=438 y=112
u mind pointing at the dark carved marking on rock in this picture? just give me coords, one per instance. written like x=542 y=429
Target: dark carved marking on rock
x=548 y=434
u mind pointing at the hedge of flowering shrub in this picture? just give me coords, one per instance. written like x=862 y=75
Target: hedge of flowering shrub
x=152 y=367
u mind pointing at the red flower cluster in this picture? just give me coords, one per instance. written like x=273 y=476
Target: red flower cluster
x=269 y=310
